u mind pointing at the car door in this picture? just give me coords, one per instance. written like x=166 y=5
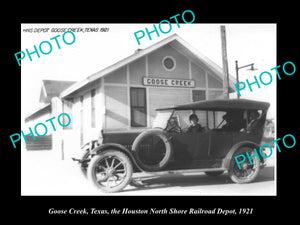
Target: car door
x=220 y=143
x=190 y=148
x=202 y=145
x=184 y=145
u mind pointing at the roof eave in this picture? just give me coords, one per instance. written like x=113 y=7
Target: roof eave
x=116 y=65
x=37 y=110
x=210 y=64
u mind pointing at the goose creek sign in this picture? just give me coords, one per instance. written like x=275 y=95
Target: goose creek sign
x=168 y=82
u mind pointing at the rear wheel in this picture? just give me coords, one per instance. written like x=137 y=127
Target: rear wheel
x=248 y=172
x=110 y=171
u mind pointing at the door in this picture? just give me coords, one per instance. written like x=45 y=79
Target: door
x=184 y=147
x=190 y=148
x=220 y=143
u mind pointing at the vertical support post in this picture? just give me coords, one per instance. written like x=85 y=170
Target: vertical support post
x=225 y=64
x=237 y=76
x=57 y=136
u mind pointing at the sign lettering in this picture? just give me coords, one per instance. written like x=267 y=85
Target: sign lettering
x=168 y=82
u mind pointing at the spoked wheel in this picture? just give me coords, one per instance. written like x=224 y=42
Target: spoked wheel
x=248 y=171
x=110 y=171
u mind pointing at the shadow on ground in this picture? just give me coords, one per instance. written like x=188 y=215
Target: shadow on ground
x=150 y=182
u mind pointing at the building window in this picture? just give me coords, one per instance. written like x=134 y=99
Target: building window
x=169 y=63
x=138 y=107
x=93 y=109
x=198 y=95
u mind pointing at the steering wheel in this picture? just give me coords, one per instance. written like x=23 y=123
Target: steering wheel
x=175 y=129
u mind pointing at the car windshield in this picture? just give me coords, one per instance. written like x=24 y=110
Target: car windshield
x=161 y=119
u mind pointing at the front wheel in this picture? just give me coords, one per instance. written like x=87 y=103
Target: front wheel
x=110 y=171
x=248 y=172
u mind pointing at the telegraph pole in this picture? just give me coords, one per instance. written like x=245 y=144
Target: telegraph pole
x=225 y=64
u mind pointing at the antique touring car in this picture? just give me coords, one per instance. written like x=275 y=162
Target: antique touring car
x=227 y=128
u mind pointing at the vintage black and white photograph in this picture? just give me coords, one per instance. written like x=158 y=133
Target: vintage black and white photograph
x=145 y=109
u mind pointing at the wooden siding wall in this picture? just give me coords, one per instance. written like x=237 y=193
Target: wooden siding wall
x=40 y=143
x=116 y=107
x=83 y=124
x=199 y=75
x=156 y=68
x=137 y=71
x=117 y=85
x=164 y=97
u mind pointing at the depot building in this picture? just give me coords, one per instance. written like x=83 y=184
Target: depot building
x=124 y=96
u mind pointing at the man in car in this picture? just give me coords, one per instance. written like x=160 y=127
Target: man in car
x=253 y=124
x=229 y=123
x=195 y=126
x=234 y=122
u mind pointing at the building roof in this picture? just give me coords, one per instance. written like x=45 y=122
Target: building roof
x=174 y=41
x=221 y=104
x=52 y=88
x=41 y=110
x=49 y=89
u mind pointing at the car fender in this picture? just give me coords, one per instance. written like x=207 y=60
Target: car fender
x=115 y=146
x=227 y=159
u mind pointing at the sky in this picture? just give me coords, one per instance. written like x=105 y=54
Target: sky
x=93 y=51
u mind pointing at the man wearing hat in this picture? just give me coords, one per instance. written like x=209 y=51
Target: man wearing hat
x=253 y=121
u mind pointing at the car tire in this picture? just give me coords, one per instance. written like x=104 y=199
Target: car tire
x=168 y=150
x=248 y=172
x=115 y=170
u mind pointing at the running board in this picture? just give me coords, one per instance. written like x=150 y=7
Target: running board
x=185 y=171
